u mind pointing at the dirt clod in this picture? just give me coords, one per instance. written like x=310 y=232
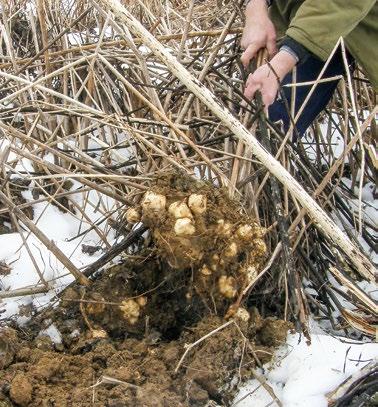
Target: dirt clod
x=197 y=395
x=21 y=390
x=273 y=332
x=8 y=346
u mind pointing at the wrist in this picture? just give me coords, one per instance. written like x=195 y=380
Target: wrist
x=254 y=7
x=261 y=3
x=283 y=63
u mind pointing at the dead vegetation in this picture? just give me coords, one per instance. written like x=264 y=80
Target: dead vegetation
x=86 y=110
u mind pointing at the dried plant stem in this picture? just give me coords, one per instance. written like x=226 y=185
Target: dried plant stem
x=321 y=219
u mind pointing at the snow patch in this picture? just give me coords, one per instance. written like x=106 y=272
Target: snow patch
x=302 y=375
x=53 y=333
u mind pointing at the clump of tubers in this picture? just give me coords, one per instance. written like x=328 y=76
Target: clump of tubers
x=131 y=309
x=227 y=286
x=153 y=203
x=194 y=228
x=179 y=210
x=133 y=215
x=197 y=203
x=184 y=227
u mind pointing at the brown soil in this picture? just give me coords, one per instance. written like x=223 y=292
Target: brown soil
x=107 y=360
x=87 y=371
x=123 y=337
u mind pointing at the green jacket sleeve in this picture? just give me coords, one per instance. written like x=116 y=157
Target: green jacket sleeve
x=318 y=24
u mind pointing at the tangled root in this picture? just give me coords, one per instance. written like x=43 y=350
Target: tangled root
x=195 y=225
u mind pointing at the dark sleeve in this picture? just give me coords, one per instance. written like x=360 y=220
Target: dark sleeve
x=300 y=51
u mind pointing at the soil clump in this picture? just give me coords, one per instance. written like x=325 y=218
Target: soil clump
x=88 y=371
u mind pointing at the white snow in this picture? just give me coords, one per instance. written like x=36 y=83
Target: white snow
x=58 y=227
x=52 y=332
x=302 y=375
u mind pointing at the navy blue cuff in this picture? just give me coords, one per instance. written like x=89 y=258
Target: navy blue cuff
x=300 y=51
x=290 y=51
x=268 y=2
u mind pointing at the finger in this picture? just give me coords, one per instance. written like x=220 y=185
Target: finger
x=250 y=90
x=268 y=98
x=249 y=54
x=271 y=46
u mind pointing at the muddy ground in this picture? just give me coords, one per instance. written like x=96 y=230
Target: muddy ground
x=134 y=370
x=120 y=340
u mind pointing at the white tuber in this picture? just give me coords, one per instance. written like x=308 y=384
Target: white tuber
x=142 y=301
x=242 y=314
x=99 y=334
x=214 y=266
x=214 y=262
x=153 y=203
x=251 y=273
x=133 y=215
x=184 y=227
x=259 y=247
x=231 y=250
x=205 y=271
x=227 y=286
x=245 y=232
x=179 y=210
x=131 y=311
x=197 y=203
x=223 y=228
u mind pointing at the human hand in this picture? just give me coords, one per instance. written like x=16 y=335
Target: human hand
x=267 y=77
x=258 y=33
